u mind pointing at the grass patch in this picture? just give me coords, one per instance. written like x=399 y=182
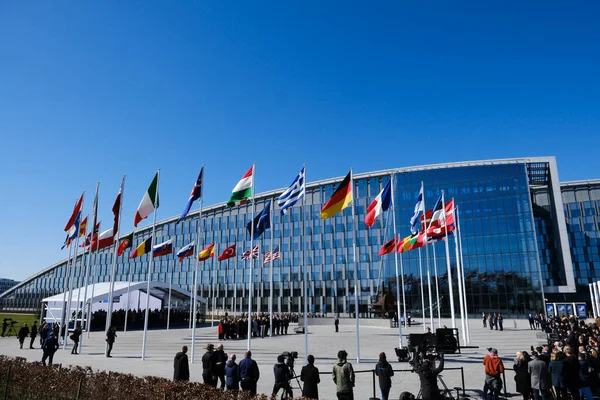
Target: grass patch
x=20 y=318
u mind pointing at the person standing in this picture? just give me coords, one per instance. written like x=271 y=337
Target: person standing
x=336 y=323
x=428 y=378
x=586 y=371
x=221 y=360
x=181 y=366
x=500 y=322
x=310 y=376
x=4 y=326
x=22 y=334
x=558 y=373
x=538 y=370
x=522 y=377
x=33 y=333
x=209 y=366
x=343 y=377
x=484 y=318
x=249 y=373
x=282 y=376
x=572 y=372
x=493 y=368
x=75 y=338
x=111 y=335
x=232 y=374
x=384 y=371
x=49 y=348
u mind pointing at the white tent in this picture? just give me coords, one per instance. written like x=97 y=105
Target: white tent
x=159 y=293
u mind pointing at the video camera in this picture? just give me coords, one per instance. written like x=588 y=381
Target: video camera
x=290 y=356
x=422 y=346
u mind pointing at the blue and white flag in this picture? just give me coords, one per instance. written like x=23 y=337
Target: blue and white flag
x=195 y=195
x=415 y=220
x=73 y=231
x=292 y=194
x=262 y=221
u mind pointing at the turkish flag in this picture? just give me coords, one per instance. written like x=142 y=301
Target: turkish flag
x=228 y=253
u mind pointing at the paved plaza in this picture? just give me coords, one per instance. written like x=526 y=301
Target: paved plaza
x=323 y=344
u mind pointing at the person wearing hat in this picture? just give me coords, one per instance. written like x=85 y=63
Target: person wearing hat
x=384 y=371
x=209 y=366
x=493 y=368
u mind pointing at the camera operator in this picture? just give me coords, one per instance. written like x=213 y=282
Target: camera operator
x=282 y=375
x=428 y=376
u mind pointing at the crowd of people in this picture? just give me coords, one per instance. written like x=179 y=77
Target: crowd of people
x=237 y=327
x=493 y=321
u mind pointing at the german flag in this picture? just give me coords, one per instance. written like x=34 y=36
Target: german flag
x=340 y=198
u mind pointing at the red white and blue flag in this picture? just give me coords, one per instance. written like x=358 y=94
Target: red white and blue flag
x=272 y=255
x=434 y=224
x=162 y=249
x=246 y=255
x=186 y=251
x=381 y=203
x=195 y=195
x=76 y=211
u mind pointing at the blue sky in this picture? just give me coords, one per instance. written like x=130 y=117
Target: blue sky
x=94 y=90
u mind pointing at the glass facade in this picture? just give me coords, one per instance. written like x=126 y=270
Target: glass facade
x=501 y=247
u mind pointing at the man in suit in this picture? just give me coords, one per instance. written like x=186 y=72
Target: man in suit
x=310 y=376
x=538 y=371
x=337 y=324
x=249 y=373
x=181 y=366
x=50 y=346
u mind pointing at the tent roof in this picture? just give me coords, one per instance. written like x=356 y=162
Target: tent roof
x=101 y=290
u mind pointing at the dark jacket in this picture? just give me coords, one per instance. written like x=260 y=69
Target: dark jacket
x=34 y=331
x=249 y=370
x=50 y=345
x=558 y=373
x=522 y=377
x=572 y=370
x=384 y=371
x=310 y=376
x=110 y=336
x=281 y=372
x=23 y=332
x=428 y=378
x=232 y=377
x=209 y=364
x=585 y=373
x=181 y=367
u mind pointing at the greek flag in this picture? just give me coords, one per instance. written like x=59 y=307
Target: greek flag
x=292 y=194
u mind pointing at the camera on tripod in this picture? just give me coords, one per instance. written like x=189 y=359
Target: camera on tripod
x=422 y=346
x=290 y=356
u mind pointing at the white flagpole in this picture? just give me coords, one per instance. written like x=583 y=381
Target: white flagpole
x=86 y=325
x=427 y=266
x=597 y=297
x=129 y=278
x=70 y=299
x=195 y=297
x=462 y=267
x=355 y=261
x=114 y=266
x=68 y=268
x=592 y=297
x=271 y=274
x=403 y=290
x=422 y=290
x=437 y=288
x=191 y=302
x=306 y=282
x=213 y=301
x=459 y=282
x=150 y=269
x=251 y=261
x=396 y=264
x=170 y=287
x=89 y=313
x=449 y=269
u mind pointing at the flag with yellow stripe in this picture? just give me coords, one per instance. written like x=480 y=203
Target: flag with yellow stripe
x=340 y=199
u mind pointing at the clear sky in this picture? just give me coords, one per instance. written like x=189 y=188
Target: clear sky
x=90 y=91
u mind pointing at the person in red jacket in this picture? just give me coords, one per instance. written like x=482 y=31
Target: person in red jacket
x=493 y=368
x=221 y=330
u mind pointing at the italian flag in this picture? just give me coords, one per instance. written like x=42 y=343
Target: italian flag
x=243 y=190
x=147 y=206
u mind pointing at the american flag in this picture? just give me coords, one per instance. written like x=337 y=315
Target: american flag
x=271 y=256
x=246 y=255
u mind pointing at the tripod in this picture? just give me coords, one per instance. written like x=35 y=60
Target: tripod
x=447 y=392
x=285 y=395
x=11 y=330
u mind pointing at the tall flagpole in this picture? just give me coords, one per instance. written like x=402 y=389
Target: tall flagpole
x=169 y=303
x=306 y=282
x=70 y=299
x=396 y=264
x=437 y=288
x=459 y=282
x=403 y=289
x=355 y=261
x=427 y=266
x=213 y=300
x=129 y=278
x=251 y=261
x=191 y=302
x=422 y=290
x=271 y=273
x=114 y=266
x=197 y=252
x=89 y=313
x=86 y=325
x=150 y=268
x=449 y=268
x=462 y=267
x=66 y=289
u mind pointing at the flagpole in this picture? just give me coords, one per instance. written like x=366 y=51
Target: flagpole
x=129 y=278
x=437 y=288
x=459 y=282
x=87 y=273
x=303 y=216
x=191 y=302
x=403 y=289
x=449 y=268
x=89 y=313
x=251 y=261
x=66 y=287
x=422 y=290
x=271 y=274
x=197 y=252
x=150 y=269
x=73 y=266
x=427 y=265
x=396 y=264
x=212 y=288
x=355 y=261
x=169 y=303
x=462 y=267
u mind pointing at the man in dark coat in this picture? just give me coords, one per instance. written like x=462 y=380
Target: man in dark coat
x=33 y=333
x=111 y=334
x=50 y=346
x=181 y=367
x=232 y=374
x=282 y=375
x=384 y=371
x=249 y=373
x=310 y=376
x=538 y=370
x=75 y=338
x=23 y=332
x=337 y=324
x=221 y=360
x=428 y=377
x=572 y=366
x=209 y=366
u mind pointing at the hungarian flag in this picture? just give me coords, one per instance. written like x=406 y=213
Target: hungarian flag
x=381 y=203
x=228 y=253
x=76 y=211
x=340 y=198
x=83 y=226
x=144 y=248
x=411 y=242
x=209 y=251
x=103 y=240
x=147 y=205
x=243 y=190
x=388 y=247
x=124 y=244
x=117 y=208
x=186 y=251
x=162 y=249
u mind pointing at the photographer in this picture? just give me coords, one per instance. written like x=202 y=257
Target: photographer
x=4 y=326
x=428 y=377
x=282 y=375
